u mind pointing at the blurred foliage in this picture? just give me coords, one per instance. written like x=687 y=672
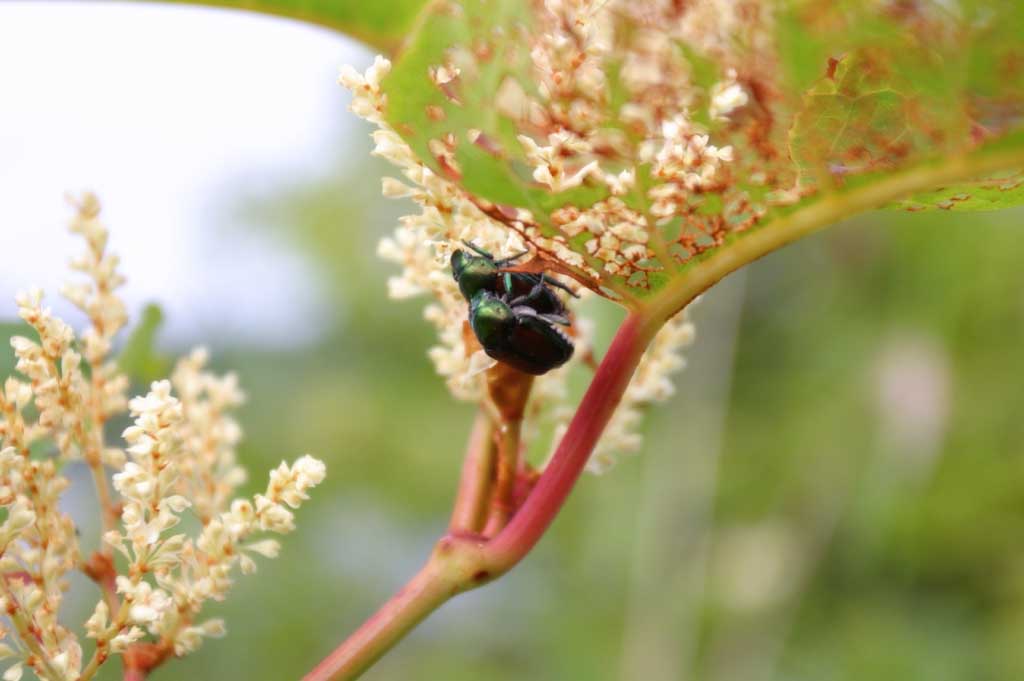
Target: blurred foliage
x=139 y=357
x=380 y=24
x=7 y=330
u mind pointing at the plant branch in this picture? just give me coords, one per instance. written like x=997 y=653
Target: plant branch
x=461 y=562
x=108 y=513
x=424 y=593
x=470 y=505
x=598 y=404
x=100 y=569
x=502 y=501
x=142 y=658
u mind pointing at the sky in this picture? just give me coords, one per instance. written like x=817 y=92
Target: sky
x=165 y=112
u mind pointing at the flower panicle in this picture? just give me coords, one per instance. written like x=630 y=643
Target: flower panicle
x=178 y=457
x=611 y=231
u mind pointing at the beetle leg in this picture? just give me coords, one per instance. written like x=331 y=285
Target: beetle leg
x=556 y=319
x=558 y=284
x=538 y=288
x=550 y=318
x=534 y=293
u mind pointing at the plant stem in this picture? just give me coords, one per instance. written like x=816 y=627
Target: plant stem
x=505 y=477
x=460 y=562
x=140 y=659
x=108 y=515
x=432 y=586
x=97 y=659
x=471 y=498
x=592 y=415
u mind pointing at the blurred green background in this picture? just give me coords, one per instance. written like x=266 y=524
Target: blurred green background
x=836 y=493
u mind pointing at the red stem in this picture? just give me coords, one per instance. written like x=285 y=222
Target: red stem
x=407 y=608
x=471 y=497
x=461 y=562
x=133 y=674
x=598 y=405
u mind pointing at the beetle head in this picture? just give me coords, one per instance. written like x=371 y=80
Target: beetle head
x=474 y=273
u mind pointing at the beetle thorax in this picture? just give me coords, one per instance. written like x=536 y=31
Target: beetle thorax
x=489 y=314
x=475 y=275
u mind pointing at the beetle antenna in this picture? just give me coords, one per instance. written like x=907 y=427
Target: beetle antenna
x=476 y=249
x=509 y=259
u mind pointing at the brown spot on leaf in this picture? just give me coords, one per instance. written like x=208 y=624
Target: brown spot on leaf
x=830 y=71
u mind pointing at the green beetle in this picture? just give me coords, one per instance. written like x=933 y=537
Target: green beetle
x=482 y=272
x=516 y=333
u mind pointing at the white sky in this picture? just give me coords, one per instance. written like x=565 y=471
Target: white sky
x=163 y=111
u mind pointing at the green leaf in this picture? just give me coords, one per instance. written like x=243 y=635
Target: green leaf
x=139 y=357
x=906 y=87
x=380 y=24
x=860 y=92
x=495 y=169
x=1003 y=190
x=852 y=123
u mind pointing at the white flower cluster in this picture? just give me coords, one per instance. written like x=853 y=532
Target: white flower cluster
x=210 y=474
x=686 y=162
x=180 y=458
x=40 y=548
x=648 y=149
x=549 y=168
x=423 y=244
x=187 y=572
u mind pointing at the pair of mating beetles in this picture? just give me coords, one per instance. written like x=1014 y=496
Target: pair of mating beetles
x=515 y=315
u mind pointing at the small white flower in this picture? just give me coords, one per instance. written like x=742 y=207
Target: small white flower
x=267 y=548
x=274 y=517
x=119 y=643
x=727 y=97
x=96 y=625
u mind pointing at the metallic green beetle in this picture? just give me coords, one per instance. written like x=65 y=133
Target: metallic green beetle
x=514 y=332
x=513 y=314
x=482 y=272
